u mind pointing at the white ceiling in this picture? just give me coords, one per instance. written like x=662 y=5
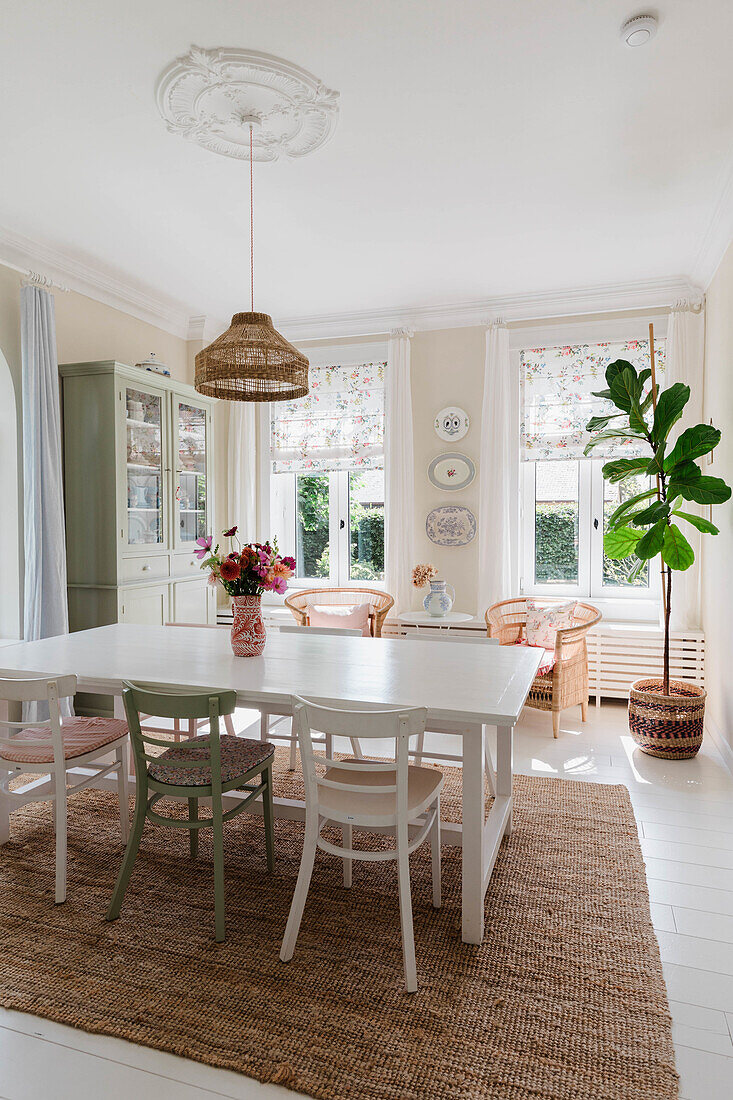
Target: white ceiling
x=485 y=147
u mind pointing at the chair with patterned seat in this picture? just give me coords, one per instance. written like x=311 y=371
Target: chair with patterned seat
x=202 y=767
x=52 y=747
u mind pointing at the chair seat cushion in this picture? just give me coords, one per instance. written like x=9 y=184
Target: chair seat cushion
x=548 y=658
x=80 y=736
x=238 y=756
x=422 y=784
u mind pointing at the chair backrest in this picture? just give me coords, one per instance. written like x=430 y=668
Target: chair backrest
x=344 y=631
x=506 y=621
x=150 y=700
x=471 y=637
x=27 y=687
x=379 y=603
x=395 y=724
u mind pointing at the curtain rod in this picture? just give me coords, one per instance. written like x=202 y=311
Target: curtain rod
x=33 y=278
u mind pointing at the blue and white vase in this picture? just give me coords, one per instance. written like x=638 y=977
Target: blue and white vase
x=438 y=603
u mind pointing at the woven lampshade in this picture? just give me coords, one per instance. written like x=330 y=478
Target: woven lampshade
x=251 y=361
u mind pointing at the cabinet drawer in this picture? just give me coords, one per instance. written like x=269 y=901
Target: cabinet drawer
x=144 y=568
x=186 y=565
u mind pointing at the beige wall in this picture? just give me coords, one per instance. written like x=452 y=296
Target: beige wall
x=85 y=331
x=717 y=591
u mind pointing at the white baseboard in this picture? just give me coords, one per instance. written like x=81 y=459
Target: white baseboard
x=723 y=747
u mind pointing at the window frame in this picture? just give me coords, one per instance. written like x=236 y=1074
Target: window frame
x=283 y=495
x=640 y=603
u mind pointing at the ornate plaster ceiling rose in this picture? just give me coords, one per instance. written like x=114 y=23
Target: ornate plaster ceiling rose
x=212 y=96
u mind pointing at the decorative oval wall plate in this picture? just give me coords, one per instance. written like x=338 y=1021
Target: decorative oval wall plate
x=451 y=525
x=452 y=423
x=451 y=471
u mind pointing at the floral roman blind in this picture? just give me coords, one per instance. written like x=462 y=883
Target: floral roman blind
x=339 y=425
x=557 y=396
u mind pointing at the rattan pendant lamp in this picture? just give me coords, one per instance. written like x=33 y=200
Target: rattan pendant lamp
x=251 y=361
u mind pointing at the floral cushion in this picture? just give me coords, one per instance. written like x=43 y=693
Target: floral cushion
x=543 y=623
x=548 y=658
x=238 y=756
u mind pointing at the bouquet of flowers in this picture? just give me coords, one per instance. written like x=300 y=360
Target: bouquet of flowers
x=249 y=569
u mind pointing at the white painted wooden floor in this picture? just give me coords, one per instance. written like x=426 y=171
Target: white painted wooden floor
x=685 y=816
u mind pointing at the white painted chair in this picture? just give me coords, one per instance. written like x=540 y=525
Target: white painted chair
x=455 y=637
x=266 y=732
x=50 y=747
x=386 y=796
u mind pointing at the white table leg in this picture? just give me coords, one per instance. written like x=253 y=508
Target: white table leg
x=472 y=873
x=504 y=769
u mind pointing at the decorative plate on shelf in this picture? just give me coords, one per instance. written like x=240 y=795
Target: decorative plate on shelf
x=452 y=423
x=451 y=525
x=451 y=471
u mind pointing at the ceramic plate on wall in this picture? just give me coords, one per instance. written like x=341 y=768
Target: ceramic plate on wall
x=451 y=471
x=451 y=525
x=452 y=423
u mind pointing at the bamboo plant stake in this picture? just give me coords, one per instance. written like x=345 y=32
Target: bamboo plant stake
x=666 y=594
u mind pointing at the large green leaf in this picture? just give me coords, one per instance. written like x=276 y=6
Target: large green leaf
x=703 y=525
x=658 y=510
x=613 y=370
x=676 y=551
x=620 y=543
x=628 y=506
x=692 y=443
x=687 y=481
x=651 y=543
x=625 y=393
x=619 y=468
x=670 y=405
x=596 y=423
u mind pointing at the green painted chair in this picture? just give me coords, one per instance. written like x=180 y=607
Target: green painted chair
x=202 y=767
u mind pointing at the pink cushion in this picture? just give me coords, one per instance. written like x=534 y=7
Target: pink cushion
x=343 y=616
x=543 y=623
x=80 y=735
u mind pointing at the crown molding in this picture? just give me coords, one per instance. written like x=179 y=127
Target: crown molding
x=609 y=298
x=24 y=254
x=717 y=238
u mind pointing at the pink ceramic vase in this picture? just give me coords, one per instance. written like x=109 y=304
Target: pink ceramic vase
x=248 y=629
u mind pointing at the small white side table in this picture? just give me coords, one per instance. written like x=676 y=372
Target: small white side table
x=443 y=622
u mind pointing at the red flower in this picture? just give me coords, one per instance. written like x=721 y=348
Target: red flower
x=229 y=569
x=230 y=533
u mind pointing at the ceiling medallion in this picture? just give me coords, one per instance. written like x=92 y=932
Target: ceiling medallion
x=212 y=96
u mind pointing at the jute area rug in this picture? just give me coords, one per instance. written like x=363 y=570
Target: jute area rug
x=564 y=1000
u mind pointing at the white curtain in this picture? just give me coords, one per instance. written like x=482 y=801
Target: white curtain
x=399 y=473
x=248 y=497
x=498 y=544
x=685 y=362
x=45 y=610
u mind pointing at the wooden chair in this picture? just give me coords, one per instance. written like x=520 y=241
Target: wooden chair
x=50 y=748
x=266 y=730
x=369 y=794
x=379 y=603
x=455 y=637
x=193 y=725
x=566 y=683
x=203 y=767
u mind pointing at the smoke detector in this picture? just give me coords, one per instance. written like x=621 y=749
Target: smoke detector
x=639 y=30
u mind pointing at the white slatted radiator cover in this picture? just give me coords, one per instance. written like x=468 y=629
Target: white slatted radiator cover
x=620 y=654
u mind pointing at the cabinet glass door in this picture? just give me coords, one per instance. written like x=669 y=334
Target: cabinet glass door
x=144 y=418
x=191 y=493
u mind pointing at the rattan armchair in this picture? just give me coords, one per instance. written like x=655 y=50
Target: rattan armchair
x=379 y=603
x=566 y=684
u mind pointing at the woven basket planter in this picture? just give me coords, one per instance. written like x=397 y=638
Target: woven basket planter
x=668 y=726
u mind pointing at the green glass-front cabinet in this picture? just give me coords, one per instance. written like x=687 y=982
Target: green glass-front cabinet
x=138 y=462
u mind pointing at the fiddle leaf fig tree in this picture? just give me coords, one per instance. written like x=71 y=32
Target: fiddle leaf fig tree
x=648 y=523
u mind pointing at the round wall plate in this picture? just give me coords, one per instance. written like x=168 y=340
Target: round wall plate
x=451 y=525
x=451 y=471
x=452 y=423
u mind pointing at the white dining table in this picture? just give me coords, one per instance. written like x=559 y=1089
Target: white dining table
x=470 y=687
